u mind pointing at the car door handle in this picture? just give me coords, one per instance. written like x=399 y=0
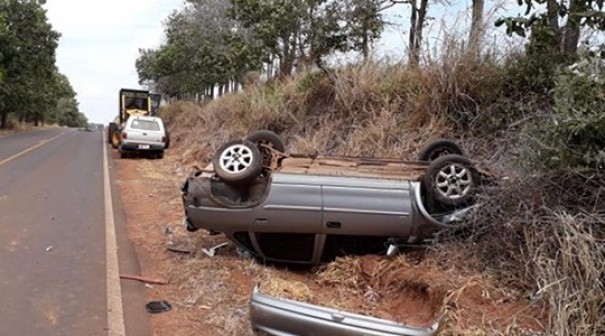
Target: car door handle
x=338 y=317
x=333 y=225
x=262 y=221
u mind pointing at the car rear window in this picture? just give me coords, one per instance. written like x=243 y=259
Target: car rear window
x=145 y=125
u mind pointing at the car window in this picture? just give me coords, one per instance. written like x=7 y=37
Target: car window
x=287 y=246
x=145 y=125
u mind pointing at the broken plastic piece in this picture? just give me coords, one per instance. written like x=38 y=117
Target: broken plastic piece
x=211 y=252
x=392 y=250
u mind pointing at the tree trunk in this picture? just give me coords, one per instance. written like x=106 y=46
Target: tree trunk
x=417 y=19
x=4 y=123
x=365 y=42
x=552 y=7
x=413 y=60
x=572 y=28
x=476 y=25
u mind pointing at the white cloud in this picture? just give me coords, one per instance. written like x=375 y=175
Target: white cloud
x=99 y=46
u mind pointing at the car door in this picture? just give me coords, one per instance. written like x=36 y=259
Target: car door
x=289 y=224
x=366 y=207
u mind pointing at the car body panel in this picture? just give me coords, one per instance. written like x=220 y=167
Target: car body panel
x=293 y=210
x=283 y=317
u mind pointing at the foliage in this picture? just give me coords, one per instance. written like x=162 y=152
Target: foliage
x=215 y=42
x=550 y=45
x=309 y=30
x=204 y=47
x=577 y=14
x=573 y=135
x=30 y=85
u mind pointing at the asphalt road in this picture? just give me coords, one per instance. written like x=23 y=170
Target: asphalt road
x=53 y=266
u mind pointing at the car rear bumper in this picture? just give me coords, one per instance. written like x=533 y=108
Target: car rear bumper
x=136 y=146
x=282 y=317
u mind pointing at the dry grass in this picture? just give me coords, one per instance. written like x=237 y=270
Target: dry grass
x=569 y=270
x=372 y=109
x=536 y=237
x=15 y=126
x=548 y=240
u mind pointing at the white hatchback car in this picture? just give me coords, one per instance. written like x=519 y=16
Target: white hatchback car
x=143 y=135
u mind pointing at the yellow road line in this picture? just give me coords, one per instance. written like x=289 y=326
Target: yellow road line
x=115 y=313
x=38 y=145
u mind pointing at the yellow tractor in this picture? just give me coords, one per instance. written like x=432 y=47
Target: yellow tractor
x=132 y=103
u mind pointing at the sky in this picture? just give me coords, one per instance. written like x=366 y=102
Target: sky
x=99 y=46
x=100 y=42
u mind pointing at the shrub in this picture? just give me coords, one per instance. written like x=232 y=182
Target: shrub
x=573 y=134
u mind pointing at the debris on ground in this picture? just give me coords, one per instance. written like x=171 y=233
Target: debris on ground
x=178 y=249
x=211 y=252
x=146 y=280
x=156 y=307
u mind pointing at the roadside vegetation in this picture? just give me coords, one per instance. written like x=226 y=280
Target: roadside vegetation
x=32 y=90
x=535 y=116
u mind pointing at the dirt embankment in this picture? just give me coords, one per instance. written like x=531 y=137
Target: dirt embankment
x=210 y=295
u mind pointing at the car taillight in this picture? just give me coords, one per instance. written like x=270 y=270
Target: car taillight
x=163 y=139
x=124 y=135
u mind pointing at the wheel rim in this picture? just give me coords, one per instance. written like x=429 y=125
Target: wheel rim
x=236 y=159
x=454 y=181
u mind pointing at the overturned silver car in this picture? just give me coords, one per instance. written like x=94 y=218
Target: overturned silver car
x=302 y=209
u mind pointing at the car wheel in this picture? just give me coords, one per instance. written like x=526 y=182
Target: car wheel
x=123 y=155
x=237 y=162
x=116 y=138
x=438 y=148
x=110 y=129
x=450 y=180
x=264 y=139
x=167 y=140
x=160 y=155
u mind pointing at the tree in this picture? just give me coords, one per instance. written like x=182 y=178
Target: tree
x=303 y=32
x=27 y=46
x=204 y=48
x=545 y=27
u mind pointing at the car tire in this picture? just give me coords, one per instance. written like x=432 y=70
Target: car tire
x=167 y=140
x=110 y=129
x=123 y=155
x=160 y=155
x=116 y=138
x=268 y=138
x=237 y=162
x=451 y=180
x=438 y=148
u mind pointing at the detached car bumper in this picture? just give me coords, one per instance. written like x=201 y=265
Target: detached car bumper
x=282 y=317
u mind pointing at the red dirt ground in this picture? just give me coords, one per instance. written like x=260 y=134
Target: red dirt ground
x=210 y=295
